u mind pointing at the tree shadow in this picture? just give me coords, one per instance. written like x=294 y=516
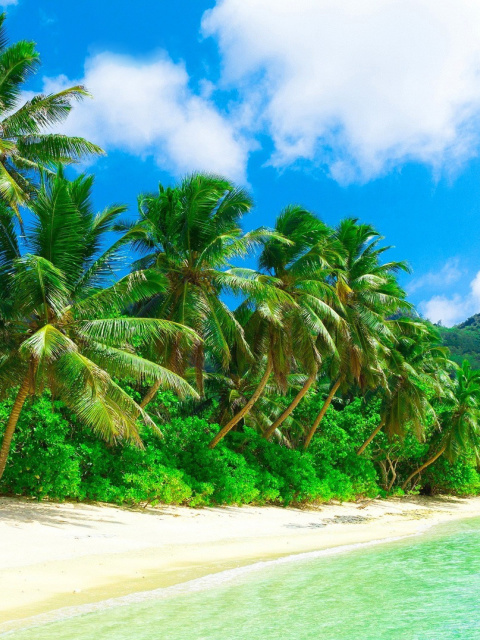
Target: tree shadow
x=24 y=511
x=434 y=500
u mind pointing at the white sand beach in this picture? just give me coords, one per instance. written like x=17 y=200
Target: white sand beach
x=59 y=555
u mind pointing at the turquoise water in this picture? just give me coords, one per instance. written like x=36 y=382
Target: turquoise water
x=421 y=588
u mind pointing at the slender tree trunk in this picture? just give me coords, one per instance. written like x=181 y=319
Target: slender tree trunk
x=424 y=466
x=383 y=471
x=151 y=393
x=12 y=421
x=311 y=379
x=371 y=437
x=319 y=418
x=236 y=418
x=394 y=477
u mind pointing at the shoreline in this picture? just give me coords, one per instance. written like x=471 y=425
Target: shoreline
x=56 y=556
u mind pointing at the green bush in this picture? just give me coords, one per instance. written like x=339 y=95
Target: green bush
x=53 y=456
x=44 y=460
x=460 y=478
x=346 y=474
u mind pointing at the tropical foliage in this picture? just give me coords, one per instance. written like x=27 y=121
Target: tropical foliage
x=26 y=145
x=321 y=312
x=56 y=314
x=127 y=374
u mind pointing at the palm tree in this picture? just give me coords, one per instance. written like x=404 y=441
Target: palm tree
x=285 y=332
x=460 y=424
x=416 y=365
x=61 y=325
x=368 y=293
x=233 y=389
x=189 y=234
x=301 y=269
x=264 y=333
x=25 y=148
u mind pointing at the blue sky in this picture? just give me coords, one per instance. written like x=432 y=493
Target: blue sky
x=367 y=110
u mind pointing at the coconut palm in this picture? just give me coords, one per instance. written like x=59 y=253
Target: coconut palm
x=189 y=233
x=301 y=269
x=263 y=331
x=60 y=314
x=25 y=143
x=285 y=332
x=233 y=389
x=368 y=293
x=416 y=367
x=460 y=424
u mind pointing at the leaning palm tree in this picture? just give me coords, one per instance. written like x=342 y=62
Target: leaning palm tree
x=368 y=293
x=26 y=146
x=231 y=391
x=189 y=234
x=416 y=367
x=460 y=424
x=301 y=268
x=60 y=323
x=272 y=352
x=287 y=332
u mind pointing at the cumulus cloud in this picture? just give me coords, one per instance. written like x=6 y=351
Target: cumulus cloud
x=454 y=309
x=450 y=273
x=148 y=109
x=358 y=87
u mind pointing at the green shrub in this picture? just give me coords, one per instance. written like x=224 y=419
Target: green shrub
x=53 y=456
x=44 y=461
x=460 y=478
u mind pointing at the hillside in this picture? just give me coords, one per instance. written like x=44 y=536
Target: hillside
x=463 y=340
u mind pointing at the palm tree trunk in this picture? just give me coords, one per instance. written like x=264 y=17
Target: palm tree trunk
x=236 y=418
x=319 y=418
x=311 y=379
x=12 y=421
x=370 y=437
x=424 y=466
x=151 y=393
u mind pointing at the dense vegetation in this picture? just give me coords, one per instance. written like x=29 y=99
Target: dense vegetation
x=147 y=387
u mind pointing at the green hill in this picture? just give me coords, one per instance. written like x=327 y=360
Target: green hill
x=463 y=340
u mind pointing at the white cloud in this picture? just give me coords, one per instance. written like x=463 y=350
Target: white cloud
x=451 y=310
x=450 y=273
x=357 y=86
x=7 y=3
x=148 y=109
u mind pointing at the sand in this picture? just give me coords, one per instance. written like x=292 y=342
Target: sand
x=61 y=555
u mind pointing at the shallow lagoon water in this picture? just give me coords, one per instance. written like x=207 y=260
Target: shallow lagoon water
x=421 y=588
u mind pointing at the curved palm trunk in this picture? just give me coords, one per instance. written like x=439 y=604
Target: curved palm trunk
x=151 y=393
x=370 y=437
x=424 y=466
x=256 y=395
x=319 y=418
x=12 y=422
x=311 y=379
